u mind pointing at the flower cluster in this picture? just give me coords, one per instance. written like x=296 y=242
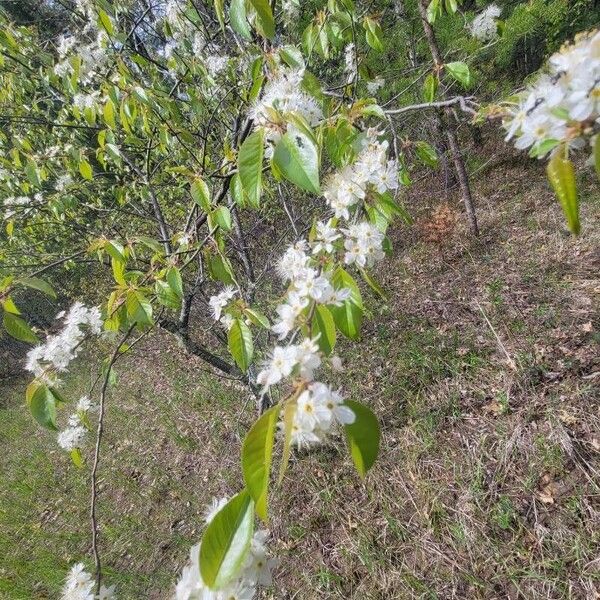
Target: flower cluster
x=484 y=27
x=283 y=94
x=219 y=302
x=318 y=409
x=375 y=85
x=371 y=169
x=363 y=244
x=79 y=585
x=256 y=570
x=562 y=106
x=72 y=436
x=54 y=356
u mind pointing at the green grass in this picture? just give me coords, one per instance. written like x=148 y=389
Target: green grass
x=487 y=474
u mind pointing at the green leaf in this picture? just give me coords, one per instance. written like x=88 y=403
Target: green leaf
x=77 y=458
x=426 y=153
x=38 y=284
x=250 y=163
x=220 y=269
x=18 y=328
x=175 y=282
x=265 y=24
x=86 y=169
x=109 y=114
x=430 y=87
x=433 y=10
x=238 y=20
x=373 y=34
x=226 y=541
x=105 y=21
x=324 y=325
x=200 y=193
x=241 y=346
x=33 y=173
x=139 y=308
x=297 y=157
x=42 y=404
x=222 y=216
x=257 y=318
x=9 y=306
x=561 y=174
x=219 y=9
x=363 y=437
x=166 y=296
x=348 y=317
x=257 y=452
x=460 y=72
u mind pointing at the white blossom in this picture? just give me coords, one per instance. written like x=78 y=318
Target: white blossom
x=79 y=584
x=220 y=301
x=60 y=349
x=375 y=85
x=483 y=26
x=562 y=106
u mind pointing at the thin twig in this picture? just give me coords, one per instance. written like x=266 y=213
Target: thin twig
x=94 y=493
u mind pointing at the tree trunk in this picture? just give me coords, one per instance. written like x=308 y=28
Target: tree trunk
x=449 y=125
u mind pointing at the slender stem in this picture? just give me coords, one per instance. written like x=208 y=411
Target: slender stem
x=94 y=484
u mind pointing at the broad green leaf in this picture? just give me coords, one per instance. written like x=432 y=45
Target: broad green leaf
x=289 y=411
x=109 y=114
x=222 y=217
x=9 y=306
x=18 y=328
x=86 y=169
x=42 y=404
x=297 y=158
x=373 y=34
x=324 y=325
x=220 y=10
x=426 y=153
x=459 y=71
x=363 y=437
x=139 y=308
x=32 y=172
x=348 y=317
x=226 y=541
x=433 y=10
x=118 y=269
x=257 y=318
x=265 y=24
x=238 y=20
x=220 y=269
x=200 y=193
x=430 y=87
x=237 y=190
x=77 y=458
x=561 y=174
x=250 y=163
x=257 y=452
x=166 y=296
x=105 y=21
x=175 y=282
x=241 y=346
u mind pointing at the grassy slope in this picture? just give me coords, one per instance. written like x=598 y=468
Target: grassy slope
x=489 y=476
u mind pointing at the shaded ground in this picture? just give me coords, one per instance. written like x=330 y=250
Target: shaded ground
x=483 y=367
